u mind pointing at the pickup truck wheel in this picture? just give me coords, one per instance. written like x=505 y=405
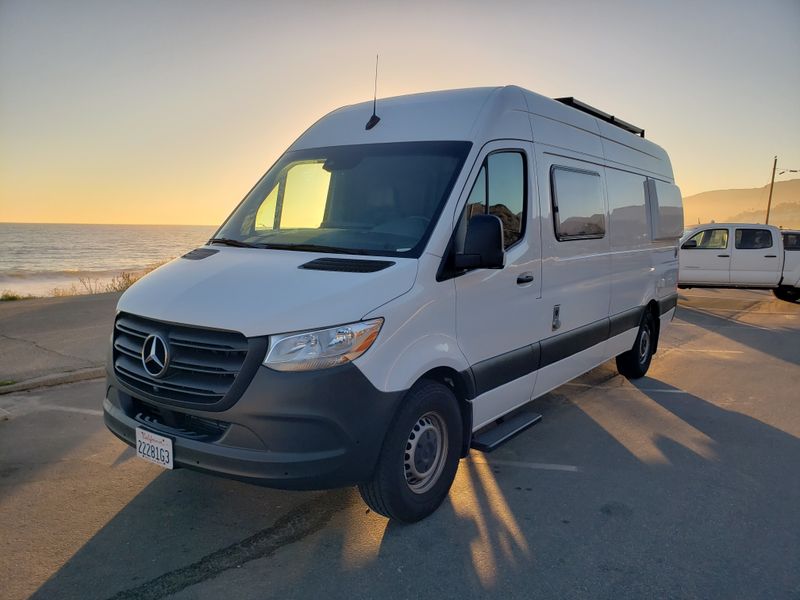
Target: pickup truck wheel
x=789 y=294
x=634 y=363
x=419 y=458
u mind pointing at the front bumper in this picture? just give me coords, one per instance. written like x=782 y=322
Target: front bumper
x=306 y=430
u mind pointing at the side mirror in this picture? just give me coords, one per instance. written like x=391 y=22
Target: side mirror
x=483 y=245
x=691 y=244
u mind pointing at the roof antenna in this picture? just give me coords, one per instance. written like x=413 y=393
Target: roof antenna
x=373 y=120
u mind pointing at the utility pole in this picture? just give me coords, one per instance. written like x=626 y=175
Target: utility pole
x=771 y=184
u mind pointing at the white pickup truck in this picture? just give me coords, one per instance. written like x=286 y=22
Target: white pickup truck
x=740 y=255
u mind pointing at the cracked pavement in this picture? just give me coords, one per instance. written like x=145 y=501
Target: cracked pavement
x=54 y=335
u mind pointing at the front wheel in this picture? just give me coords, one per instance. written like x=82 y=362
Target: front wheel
x=419 y=457
x=786 y=293
x=634 y=363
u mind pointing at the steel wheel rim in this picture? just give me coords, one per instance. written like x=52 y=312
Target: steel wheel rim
x=425 y=453
x=644 y=345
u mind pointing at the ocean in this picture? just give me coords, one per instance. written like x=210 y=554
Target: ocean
x=42 y=259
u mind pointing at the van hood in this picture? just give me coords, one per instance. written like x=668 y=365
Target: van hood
x=262 y=292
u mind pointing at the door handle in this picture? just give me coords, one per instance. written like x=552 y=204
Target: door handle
x=724 y=255
x=524 y=278
x=770 y=256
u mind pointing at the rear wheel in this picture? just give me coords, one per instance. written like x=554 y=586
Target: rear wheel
x=634 y=363
x=788 y=294
x=419 y=457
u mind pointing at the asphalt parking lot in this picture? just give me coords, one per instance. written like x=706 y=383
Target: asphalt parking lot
x=685 y=484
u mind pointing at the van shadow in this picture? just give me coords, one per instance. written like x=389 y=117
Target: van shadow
x=692 y=525
x=778 y=342
x=622 y=527
x=178 y=519
x=737 y=510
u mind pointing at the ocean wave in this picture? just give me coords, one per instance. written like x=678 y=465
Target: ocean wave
x=25 y=274
x=41 y=259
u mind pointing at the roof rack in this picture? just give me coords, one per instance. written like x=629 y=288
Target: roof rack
x=603 y=116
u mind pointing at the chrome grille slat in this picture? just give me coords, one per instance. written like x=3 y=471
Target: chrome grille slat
x=203 y=361
x=182 y=380
x=203 y=365
x=204 y=345
x=197 y=369
x=164 y=385
x=127 y=351
x=125 y=328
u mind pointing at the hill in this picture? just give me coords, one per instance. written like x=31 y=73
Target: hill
x=786 y=215
x=745 y=205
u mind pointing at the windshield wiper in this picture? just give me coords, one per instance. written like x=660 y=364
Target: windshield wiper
x=313 y=248
x=232 y=242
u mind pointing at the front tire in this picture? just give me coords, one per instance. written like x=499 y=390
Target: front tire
x=787 y=294
x=634 y=363
x=420 y=455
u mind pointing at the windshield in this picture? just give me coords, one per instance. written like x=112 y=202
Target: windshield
x=378 y=199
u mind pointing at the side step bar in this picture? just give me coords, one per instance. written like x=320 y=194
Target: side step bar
x=490 y=439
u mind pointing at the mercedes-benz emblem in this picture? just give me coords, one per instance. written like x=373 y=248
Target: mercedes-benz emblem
x=155 y=355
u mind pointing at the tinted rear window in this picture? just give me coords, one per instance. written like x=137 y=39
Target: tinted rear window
x=753 y=239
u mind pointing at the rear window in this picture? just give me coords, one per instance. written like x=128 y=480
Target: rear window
x=753 y=239
x=791 y=241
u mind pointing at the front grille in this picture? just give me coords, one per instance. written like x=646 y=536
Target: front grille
x=203 y=363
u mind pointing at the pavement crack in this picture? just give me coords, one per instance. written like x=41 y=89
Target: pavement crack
x=301 y=522
x=43 y=349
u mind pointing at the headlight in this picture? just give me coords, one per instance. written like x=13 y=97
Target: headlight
x=322 y=348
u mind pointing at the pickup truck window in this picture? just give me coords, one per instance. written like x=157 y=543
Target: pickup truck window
x=709 y=239
x=791 y=241
x=753 y=239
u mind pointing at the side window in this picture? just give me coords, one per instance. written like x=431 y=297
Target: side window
x=500 y=190
x=753 y=239
x=578 y=206
x=710 y=239
x=791 y=241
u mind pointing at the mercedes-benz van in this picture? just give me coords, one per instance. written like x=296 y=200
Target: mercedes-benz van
x=398 y=288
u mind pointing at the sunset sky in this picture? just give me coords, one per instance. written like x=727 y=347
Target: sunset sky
x=168 y=112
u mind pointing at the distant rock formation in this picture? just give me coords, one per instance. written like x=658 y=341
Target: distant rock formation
x=512 y=223
x=574 y=226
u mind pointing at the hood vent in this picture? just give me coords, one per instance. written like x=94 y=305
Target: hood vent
x=347 y=265
x=199 y=253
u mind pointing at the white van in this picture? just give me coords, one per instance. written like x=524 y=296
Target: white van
x=395 y=290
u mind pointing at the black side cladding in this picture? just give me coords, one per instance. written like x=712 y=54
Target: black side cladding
x=494 y=372
x=667 y=304
x=499 y=370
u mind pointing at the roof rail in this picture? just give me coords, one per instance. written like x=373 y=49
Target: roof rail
x=603 y=116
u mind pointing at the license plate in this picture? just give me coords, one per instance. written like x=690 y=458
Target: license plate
x=155 y=448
